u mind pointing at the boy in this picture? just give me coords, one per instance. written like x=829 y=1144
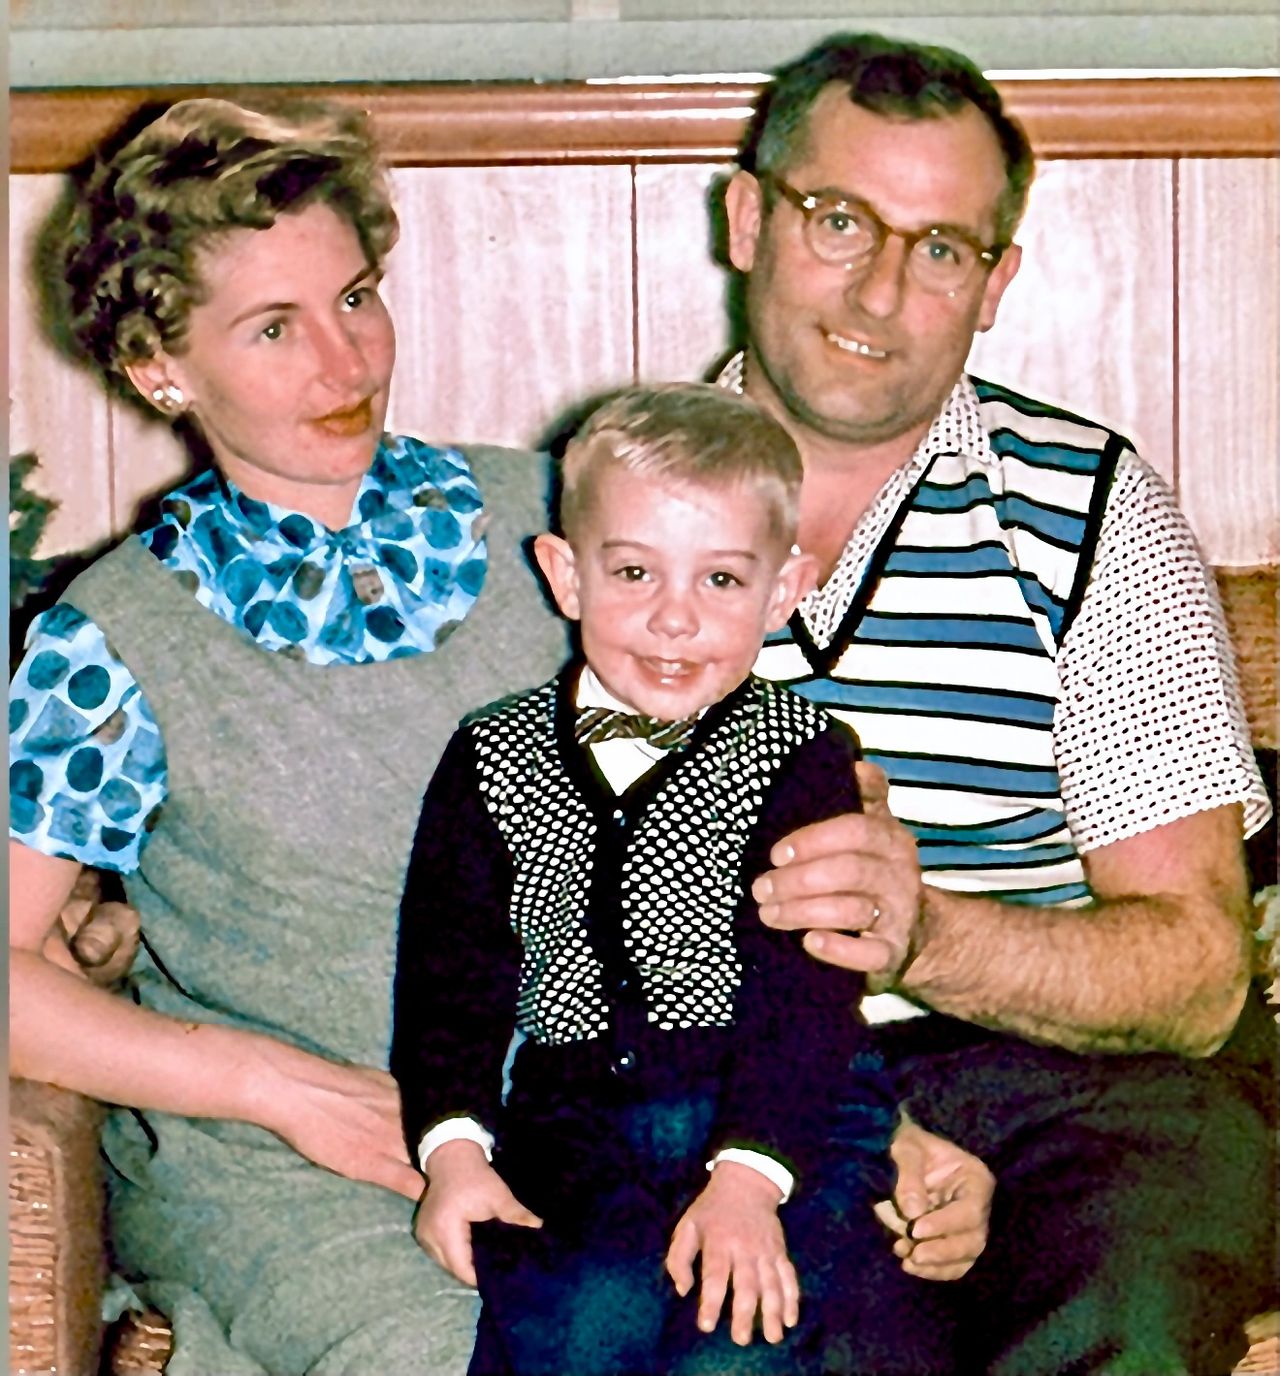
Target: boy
x=582 y=869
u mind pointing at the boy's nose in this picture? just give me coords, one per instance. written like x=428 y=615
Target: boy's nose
x=673 y=615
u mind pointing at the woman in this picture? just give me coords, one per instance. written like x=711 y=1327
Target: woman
x=241 y=710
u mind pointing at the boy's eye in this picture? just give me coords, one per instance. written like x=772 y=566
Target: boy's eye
x=630 y=573
x=722 y=578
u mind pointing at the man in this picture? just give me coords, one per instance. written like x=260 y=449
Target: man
x=1014 y=618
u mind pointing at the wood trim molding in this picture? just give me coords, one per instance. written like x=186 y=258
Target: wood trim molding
x=450 y=124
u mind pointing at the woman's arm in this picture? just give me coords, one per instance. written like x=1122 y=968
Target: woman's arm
x=69 y=1032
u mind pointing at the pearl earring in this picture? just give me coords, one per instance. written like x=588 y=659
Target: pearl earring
x=168 y=398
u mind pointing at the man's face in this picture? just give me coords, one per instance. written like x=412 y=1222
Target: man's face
x=867 y=357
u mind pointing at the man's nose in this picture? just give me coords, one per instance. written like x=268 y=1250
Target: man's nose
x=877 y=284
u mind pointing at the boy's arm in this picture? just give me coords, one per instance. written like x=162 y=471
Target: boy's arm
x=458 y=960
x=796 y=1031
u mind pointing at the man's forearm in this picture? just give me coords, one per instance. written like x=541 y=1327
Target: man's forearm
x=1160 y=973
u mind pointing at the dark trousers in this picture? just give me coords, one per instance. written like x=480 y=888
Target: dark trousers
x=588 y=1294
x=1133 y=1228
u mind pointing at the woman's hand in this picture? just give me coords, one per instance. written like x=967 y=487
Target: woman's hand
x=734 y=1224
x=464 y=1189
x=101 y=938
x=345 y=1118
x=942 y=1201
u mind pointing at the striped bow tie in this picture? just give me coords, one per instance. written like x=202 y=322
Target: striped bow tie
x=596 y=724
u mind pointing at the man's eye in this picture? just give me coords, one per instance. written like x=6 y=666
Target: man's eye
x=940 y=249
x=839 y=221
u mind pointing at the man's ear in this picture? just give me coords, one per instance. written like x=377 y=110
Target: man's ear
x=998 y=280
x=559 y=567
x=744 y=211
x=796 y=579
x=156 y=380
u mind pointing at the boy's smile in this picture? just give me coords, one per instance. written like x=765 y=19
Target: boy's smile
x=675 y=585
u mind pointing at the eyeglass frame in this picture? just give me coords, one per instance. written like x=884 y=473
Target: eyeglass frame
x=809 y=202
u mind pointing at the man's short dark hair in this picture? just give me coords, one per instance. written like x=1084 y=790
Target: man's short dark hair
x=887 y=76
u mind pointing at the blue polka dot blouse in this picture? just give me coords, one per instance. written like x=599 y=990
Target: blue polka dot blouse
x=86 y=763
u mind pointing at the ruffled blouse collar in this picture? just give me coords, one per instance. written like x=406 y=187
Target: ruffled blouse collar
x=394 y=581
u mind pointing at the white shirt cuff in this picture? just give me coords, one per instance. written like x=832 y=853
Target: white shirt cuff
x=454 y=1130
x=773 y=1171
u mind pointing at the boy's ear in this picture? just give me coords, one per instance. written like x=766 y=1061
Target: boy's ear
x=796 y=579
x=555 y=558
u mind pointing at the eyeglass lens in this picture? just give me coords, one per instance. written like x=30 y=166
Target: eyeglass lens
x=846 y=233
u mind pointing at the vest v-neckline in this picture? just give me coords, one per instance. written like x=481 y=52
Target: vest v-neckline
x=823 y=659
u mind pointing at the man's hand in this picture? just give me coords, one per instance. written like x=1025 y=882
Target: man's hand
x=734 y=1224
x=858 y=873
x=941 y=1204
x=464 y=1189
x=93 y=939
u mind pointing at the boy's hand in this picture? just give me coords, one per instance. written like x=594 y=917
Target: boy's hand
x=462 y=1189
x=943 y=1196
x=734 y=1224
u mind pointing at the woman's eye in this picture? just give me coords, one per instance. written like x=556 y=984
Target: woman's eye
x=355 y=299
x=273 y=331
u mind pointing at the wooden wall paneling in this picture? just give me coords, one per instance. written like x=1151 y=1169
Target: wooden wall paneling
x=512 y=294
x=681 y=315
x=1229 y=356
x=456 y=123
x=56 y=408
x=1088 y=321
x=148 y=460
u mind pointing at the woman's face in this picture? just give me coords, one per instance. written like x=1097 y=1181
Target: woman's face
x=287 y=361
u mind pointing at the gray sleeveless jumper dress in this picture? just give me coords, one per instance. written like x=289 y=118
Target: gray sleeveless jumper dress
x=269 y=895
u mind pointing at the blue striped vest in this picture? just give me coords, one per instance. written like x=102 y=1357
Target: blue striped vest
x=945 y=663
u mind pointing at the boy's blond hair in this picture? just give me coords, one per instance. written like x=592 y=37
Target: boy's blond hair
x=686 y=433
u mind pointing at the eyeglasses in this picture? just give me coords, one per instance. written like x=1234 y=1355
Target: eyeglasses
x=847 y=233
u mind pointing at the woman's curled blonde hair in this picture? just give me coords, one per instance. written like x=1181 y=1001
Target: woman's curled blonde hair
x=123 y=245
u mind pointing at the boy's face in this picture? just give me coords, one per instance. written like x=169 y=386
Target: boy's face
x=675 y=586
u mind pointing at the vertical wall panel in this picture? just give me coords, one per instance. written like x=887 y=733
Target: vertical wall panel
x=55 y=407
x=1088 y=321
x=681 y=320
x=512 y=294
x=1227 y=354
x=148 y=459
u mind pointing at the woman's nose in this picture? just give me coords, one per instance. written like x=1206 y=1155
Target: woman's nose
x=339 y=354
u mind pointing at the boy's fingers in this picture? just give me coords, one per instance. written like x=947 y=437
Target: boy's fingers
x=715 y=1284
x=772 y=1302
x=680 y=1255
x=455 y=1248
x=790 y=1292
x=516 y=1213
x=750 y=1292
